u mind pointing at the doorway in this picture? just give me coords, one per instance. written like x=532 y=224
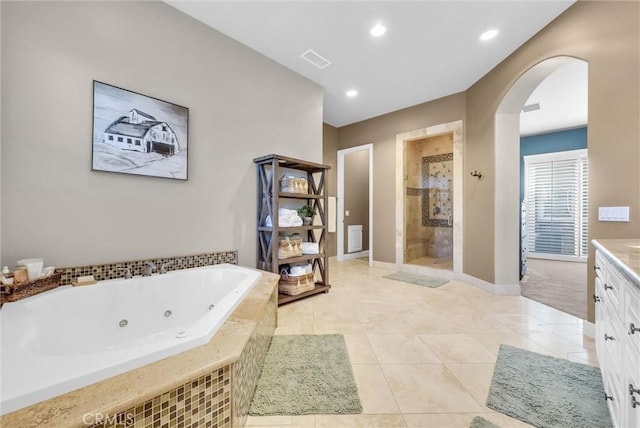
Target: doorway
x=354 y=219
x=508 y=207
x=429 y=200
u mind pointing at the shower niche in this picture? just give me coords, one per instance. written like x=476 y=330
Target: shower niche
x=429 y=207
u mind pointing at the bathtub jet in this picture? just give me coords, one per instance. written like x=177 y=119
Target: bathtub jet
x=71 y=337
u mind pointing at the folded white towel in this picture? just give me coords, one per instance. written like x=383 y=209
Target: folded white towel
x=310 y=248
x=284 y=212
x=295 y=221
x=308 y=268
x=285 y=221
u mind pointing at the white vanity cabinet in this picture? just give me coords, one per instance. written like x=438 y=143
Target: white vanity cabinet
x=617 y=307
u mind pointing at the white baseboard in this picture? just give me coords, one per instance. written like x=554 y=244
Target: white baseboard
x=588 y=329
x=383 y=265
x=476 y=282
x=508 y=289
x=351 y=256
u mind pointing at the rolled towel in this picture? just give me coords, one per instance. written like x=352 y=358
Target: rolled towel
x=310 y=248
x=284 y=212
x=295 y=221
x=308 y=268
x=297 y=271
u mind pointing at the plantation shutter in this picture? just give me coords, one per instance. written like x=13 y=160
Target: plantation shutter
x=556 y=194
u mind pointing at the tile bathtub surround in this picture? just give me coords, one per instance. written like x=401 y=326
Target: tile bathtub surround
x=154 y=383
x=204 y=402
x=116 y=270
x=247 y=369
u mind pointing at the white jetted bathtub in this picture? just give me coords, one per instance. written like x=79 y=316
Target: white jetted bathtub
x=71 y=337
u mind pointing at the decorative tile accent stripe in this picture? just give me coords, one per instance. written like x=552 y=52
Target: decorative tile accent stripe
x=412 y=191
x=204 y=402
x=116 y=270
x=247 y=368
x=437 y=198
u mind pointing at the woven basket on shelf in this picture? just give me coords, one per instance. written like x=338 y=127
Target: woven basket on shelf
x=294 y=285
x=290 y=184
x=12 y=293
x=290 y=247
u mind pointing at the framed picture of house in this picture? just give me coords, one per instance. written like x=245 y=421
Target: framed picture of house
x=138 y=134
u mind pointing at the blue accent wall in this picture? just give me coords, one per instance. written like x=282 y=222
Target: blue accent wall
x=561 y=141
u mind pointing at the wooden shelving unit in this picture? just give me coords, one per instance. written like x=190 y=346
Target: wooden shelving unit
x=270 y=169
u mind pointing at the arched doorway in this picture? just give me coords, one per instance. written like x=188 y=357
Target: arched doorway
x=507 y=167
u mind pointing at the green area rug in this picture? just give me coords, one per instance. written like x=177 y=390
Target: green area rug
x=306 y=374
x=480 y=422
x=547 y=392
x=425 y=281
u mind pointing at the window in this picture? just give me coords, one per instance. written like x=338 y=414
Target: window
x=120 y=140
x=129 y=141
x=137 y=142
x=110 y=137
x=556 y=200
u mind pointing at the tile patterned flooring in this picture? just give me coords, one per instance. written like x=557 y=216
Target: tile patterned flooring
x=423 y=357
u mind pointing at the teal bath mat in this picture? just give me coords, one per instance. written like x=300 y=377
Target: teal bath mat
x=424 y=281
x=306 y=374
x=547 y=392
x=480 y=422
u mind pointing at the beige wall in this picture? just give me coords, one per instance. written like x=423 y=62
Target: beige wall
x=606 y=35
x=381 y=131
x=242 y=105
x=330 y=157
x=356 y=195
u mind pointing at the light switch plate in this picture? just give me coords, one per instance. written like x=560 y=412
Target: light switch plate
x=613 y=214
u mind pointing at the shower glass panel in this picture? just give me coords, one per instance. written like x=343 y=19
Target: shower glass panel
x=429 y=202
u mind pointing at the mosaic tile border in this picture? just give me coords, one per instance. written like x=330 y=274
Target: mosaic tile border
x=203 y=402
x=116 y=270
x=247 y=369
x=427 y=219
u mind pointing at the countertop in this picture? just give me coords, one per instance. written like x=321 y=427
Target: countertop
x=624 y=254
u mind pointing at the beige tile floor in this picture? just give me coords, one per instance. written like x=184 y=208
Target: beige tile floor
x=423 y=357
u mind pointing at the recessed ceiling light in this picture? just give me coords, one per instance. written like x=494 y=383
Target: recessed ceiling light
x=488 y=35
x=378 y=30
x=352 y=93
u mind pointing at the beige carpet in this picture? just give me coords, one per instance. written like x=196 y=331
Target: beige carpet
x=561 y=285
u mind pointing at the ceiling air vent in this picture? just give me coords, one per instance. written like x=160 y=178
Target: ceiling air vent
x=531 y=107
x=314 y=58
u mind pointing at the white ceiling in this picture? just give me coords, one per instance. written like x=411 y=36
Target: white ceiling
x=563 y=101
x=431 y=48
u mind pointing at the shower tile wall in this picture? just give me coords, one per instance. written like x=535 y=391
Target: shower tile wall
x=421 y=240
